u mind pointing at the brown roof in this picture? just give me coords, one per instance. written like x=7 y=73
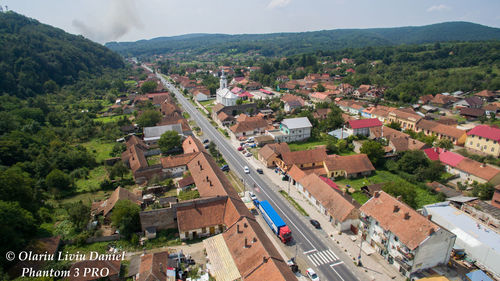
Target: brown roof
x=222 y=116
x=439 y=128
x=474 y=112
x=321 y=113
x=177 y=160
x=169 y=108
x=258 y=259
x=192 y=144
x=290 y=97
x=443 y=99
x=406 y=113
x=201 y=214
x=351 y=163
x=119 y=193
x=250 y=124
x=136 y=158
x=477 y=169
x=485 y=93
x=390 y=214
x=186 y=181
x=137 y=141
x=304 y=156
x=406 y=143
x=296 y=173
x=337 y=205
x=153 y=267
x=112 y=266
x=274 y=148
x=426 y=98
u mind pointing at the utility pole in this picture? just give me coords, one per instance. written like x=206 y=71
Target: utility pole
x=360 y=247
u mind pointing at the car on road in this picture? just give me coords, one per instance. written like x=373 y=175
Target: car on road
x=312 y=275
x=242 y=143
x=293 y=265
x=246 y=169
x=240 y=148
x=252 y=195
x=206 y=146
x=206 y=141
x=315 y=223
x=248 y=154
x=225 y=168
x=260 y=171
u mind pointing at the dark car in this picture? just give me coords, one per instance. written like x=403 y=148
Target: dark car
x=225 y=168
x=206 y=141
x=260 y=171
x=206 y=146
x=315 y=223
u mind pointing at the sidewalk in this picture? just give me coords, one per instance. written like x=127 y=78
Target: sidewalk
x=374 y=266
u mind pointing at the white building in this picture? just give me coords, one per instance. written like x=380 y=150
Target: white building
x=402 y=236
x=479 y=241
x=224 y=95
x=292 y=129
x=153 y=134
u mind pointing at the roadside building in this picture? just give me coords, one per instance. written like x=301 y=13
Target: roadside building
x=441 y=131
x=406 y=117
x=292 y=129
x=361 y=127
x=271 y=152
x=349 y=166
x=304 y=159
x=485 y=139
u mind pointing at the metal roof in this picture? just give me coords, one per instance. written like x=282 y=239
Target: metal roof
x=157 y=131
x=296 y=123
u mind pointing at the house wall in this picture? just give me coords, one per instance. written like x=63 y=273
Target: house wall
x=175 y=171
x=435 y=250
x=201 y=232
x=201 y=97
x=163 y=218
x=361 y=131
x=484 y=145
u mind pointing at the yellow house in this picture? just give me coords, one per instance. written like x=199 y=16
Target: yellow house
x=441 y=131
x=406 y=117
x=485 y=139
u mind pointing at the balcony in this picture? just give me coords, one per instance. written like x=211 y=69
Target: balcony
x=403 y=263
x=406 y=254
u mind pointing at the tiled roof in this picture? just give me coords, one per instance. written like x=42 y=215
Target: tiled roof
x=406 y=113
x=478 y=169
x=407 y=224
x=186 y=181
x=339 y=207
x=177 y=160
x=352 y=164
x=485 y=131
x=119 y=193
x=364 y=123
x=250 y=124
x=432 y=153
x=304 y=156
x=290 y=97
x=474 y=101
x=200 y=215
x=153 y=267
x=450 y=158
x=192 y=144
x=474 y=112
x=440 y=128
x=222 y=116
x=485 y=93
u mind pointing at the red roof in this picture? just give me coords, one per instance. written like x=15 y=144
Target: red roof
x=330 y=182
x=265 y=91
x=485 y=131
x=450 y=158
x=432 y=153
x=245 y=94
x=364 y=123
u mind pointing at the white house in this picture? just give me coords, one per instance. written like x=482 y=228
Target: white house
x=224 y=95
x=200 y=96
x=402 y=236
x=292 y=129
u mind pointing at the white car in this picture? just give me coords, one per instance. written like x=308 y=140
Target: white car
x=312 y=275
x=248 y=154
x=252 y=196
x=246 y=169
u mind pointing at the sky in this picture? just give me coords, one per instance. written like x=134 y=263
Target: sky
x=131 y=20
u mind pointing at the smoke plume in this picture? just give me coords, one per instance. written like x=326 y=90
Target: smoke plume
x=120 y=18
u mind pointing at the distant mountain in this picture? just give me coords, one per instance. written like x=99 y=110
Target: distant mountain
x=278 y=44
x=33 y=54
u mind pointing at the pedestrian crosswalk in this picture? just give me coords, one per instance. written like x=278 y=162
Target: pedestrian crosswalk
x=319 y=258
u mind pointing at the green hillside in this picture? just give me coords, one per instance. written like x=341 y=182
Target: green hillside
x=284 y=44
x=32 y=55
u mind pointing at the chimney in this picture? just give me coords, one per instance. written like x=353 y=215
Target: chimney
x=201 y=167
x=396 y=208
x=399 y=198
x=264 y=260
x=237 y=228
x=429 y=217
x=376 y=194
x=483 y=165
x=431 y=231
x=207 y=179
x=246 y=244
x=254 y=240
x=407 y=216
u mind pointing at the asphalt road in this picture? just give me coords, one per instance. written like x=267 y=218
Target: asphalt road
x=327 y=261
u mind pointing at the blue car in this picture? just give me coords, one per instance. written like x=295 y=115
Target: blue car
x=225 y=168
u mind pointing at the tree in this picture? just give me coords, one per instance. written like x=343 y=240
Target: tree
x=169 y=141
x=149 y=118
x=125 y=217
x=79 y=214
x=395 y=125
x=18 y=226
x=118 y=170
x=320 y=88
x=16 y=185
x=445 y=143
x=239 y=101
x=148 y=87
x=483 y=190
x=57 y=179
x=406 y=192
x=374 y=151
x=432 y=172
x=413 y=160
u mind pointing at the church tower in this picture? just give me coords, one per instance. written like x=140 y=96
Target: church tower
x=223 y=80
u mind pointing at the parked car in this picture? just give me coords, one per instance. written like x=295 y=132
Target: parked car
x=225 y=168
x=206 y=141
x=293 y=265
x=312 y=274
x=246 y=169
x=206 y=146
x=260 y=171
x=252 y=195
x=248 y=154
x=251 y=145
x=240 y=148
x=242 y=143
x=315 y=223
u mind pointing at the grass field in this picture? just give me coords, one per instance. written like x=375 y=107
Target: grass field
x=236 y=182
x=88 y=197
x=96 y=176
x=108 y=119
x=102 y=150
x=424 y=197
x=294 y=203
x=296 y=146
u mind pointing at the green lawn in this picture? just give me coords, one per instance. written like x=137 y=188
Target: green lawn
x=360 y=197
x=207 y=102
x=108 y=119
x=235 y=182
x=101 y=149
x=96 y=176
x=294 y=203
x=153 y=160
x=424 y=197
x=295 y=146
x=88 y=197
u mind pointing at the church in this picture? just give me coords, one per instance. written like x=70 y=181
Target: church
x=224 y=95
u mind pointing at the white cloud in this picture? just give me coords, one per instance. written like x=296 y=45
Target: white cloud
x=278 y=3
x=438 y=8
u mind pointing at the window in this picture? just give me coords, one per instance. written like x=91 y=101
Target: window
x=204 y=230
x=396 y=239
x=492 y=149
x=477 y=145
x=470 y=142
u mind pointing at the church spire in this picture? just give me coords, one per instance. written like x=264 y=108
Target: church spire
x=223 y=80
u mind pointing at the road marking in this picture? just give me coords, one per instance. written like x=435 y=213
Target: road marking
x=310 y=251
x=337 y=273
x=332 y=254
x=337 y=263
x=320 y=258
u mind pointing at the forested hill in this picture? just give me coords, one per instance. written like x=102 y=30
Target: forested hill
x=36 y=58
x=283 y=44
